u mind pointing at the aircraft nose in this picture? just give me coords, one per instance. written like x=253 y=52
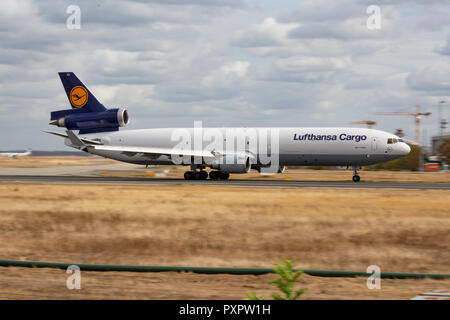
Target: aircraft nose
x=405 y=149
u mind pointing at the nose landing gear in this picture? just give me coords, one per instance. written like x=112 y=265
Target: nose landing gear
x=356 y=177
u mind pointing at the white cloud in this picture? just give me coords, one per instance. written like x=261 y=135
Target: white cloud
x=433 y=78
x=266 y=34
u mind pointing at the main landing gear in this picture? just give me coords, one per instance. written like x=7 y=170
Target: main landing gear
x=195 y=175
x=216 y=175
x=203 y=175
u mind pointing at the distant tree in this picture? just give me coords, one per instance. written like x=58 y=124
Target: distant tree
x=444 y=150
x=408 y=162
x=413 y=158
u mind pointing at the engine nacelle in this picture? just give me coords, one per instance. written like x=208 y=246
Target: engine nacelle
x=108 y=119
x=269 y=170
x=233 y=164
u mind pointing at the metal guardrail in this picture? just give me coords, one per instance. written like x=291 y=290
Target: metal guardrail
x=205 y=270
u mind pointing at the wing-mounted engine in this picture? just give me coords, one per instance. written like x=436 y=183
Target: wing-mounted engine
x=90 y=122
x=232 y=163
x=268 y=169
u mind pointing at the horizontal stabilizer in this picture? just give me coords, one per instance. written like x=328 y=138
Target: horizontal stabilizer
x=84 y=140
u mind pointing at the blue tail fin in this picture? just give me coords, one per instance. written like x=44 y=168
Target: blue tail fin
x=78 y=94
x=87 y=114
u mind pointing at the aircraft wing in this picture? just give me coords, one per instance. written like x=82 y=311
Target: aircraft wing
x=83 y=144
x=154 y=151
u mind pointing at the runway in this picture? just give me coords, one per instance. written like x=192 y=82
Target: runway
x=74 y=179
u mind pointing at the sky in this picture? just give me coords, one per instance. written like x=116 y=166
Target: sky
x=246 y=63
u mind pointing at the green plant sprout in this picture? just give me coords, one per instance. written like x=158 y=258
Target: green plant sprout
x=252 y=296
x=285 y=284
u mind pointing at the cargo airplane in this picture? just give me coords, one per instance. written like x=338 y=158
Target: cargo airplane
x=262 y=149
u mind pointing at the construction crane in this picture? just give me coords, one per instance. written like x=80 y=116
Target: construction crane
x=369 y=123
x=399 y=133
x=417 y=115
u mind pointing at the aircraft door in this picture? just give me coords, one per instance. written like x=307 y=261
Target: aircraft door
x=374 y=144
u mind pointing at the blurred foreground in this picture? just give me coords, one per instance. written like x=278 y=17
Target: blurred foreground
x=398 y=230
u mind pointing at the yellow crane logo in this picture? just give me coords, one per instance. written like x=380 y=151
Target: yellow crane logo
x=78 y=96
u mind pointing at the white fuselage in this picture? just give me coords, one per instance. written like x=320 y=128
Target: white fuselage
x=294 y=146
x=15 y=154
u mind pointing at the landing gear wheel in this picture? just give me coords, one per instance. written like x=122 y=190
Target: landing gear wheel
x=201 y=175
x=224 y=176
x=189 y=175
x=356 y=178
x=214 y=175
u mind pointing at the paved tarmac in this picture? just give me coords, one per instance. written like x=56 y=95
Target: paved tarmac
x=80 y=179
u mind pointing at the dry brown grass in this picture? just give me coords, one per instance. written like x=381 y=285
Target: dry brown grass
x=25 y=283
x=398 y=230
x=345 y=175
x=51 y=161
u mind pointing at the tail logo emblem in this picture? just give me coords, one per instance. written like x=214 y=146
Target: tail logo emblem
x=78 y=96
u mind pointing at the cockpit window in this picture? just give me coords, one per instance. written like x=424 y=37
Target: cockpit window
x=393 y=140
x=400 y=140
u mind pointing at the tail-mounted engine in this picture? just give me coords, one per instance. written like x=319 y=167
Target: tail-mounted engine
x=89 y=122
